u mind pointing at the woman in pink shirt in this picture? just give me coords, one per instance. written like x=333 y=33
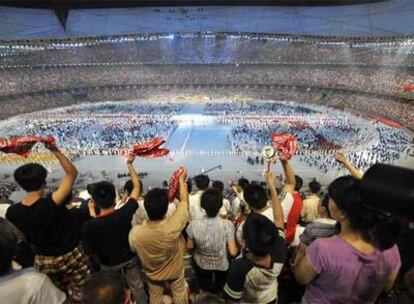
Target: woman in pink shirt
x=360 y=262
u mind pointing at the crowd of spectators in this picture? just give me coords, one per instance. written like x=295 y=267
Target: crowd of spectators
x=391 y=145
x=271 y=242
x=254 y=121
x=191 y=48
x=388 y=81
x=96 y=129
x=86 y=131
x=268 y=242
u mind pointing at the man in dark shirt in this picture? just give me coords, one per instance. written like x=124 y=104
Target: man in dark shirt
x=47 y=224
x=106 y=236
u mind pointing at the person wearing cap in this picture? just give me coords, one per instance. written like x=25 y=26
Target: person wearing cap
x=106 y=236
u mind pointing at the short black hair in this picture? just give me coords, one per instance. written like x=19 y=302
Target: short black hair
x=242 y=182
x=189 y=185
x=8 y=245
x=156 y=204
x=218 y=185
x=314 y=186
x=104 y=287
x=31 y=177
x=325 y=204
x=128 y=186
x=298 y=182
x=259 y=234
x=103 y=193
x=211 y=201
x=202 y=181
x=255 y=195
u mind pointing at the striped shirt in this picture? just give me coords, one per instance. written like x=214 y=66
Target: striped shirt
x=210 y=236
x=321 y=227
x=253 y=284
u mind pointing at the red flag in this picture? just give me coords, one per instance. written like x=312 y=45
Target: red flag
x=150 y=149
x=23 y=145
x=173 y=187
x=409 y=88
x=285 y=144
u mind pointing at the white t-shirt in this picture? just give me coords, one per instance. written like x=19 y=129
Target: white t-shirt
x=286 y=203
x=226 y=207
x=27 y=286
x=235 y=204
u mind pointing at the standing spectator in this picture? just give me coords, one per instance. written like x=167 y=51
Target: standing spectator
x=26 y=286
x=47 y=223
x=253 y=277
x=128 y=186
x=356 y=265
x=292 y=201
x=211 y=237
x=256 y=198
x=311 y=202
x=225 y=211
x=202 y=182
x=160 y=245
x=238 y=201
x=106 y=236
x=323 y=226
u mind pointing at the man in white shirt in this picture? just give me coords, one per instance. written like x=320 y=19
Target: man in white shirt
x=225 y=210
x=239 y=199
x=286 y=197
x=202 y=182
x=196 y=212
x=26 y=285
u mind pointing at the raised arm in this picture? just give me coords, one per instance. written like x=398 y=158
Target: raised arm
x=65 y=186
x=277 y=208
x=183 y=188
x=342 y=159
x=136 y=190
x=290 y=180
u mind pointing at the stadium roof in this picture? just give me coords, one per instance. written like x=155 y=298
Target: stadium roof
x=385 y=18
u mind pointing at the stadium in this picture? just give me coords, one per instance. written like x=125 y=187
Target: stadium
x=203 y=91
x=216 y=95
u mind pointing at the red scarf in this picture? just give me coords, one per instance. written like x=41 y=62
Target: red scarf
x=293 y=218
x=23 y=145
x=285 y=144
x=173 y=185
x=150 y=149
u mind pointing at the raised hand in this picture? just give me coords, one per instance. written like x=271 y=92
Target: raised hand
x=130 y=160
x=341 y=158
x=230 y=181
x=183 y=175
x=51 y=146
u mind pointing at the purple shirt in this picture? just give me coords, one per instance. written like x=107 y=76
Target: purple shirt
x=346 y=275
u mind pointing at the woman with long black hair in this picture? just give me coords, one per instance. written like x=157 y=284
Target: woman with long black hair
x=360 y=262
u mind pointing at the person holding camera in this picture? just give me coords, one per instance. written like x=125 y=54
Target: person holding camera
x=360 y=262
